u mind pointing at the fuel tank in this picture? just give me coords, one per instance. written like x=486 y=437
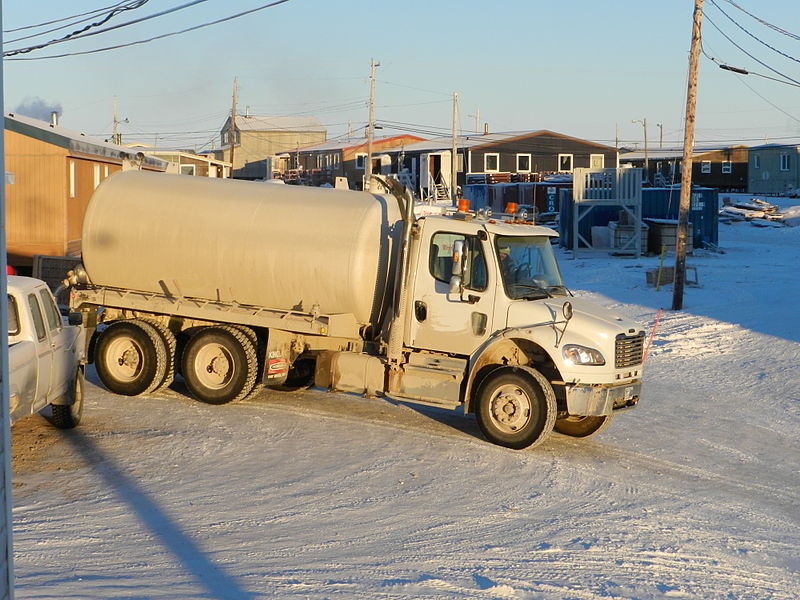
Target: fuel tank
x=281 y=247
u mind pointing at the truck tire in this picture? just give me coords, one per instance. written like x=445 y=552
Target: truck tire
x=170 y=345
x=131 y=358
x=67 y=416
x=580 y=427
x=516 y=407
x=219 y=365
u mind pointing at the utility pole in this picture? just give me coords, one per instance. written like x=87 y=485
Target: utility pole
x=660 y=135
x=454 y=156
x=688 y=147
x=232 y=128
x=371 y=125
x=6 y=498
x=116 y=137
x=646 y=162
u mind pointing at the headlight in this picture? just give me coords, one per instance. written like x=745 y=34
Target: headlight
x=581 y=355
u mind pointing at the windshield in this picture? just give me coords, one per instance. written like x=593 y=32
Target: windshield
x=528 y=267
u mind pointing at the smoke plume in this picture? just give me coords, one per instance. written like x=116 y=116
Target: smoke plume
x=37 y=108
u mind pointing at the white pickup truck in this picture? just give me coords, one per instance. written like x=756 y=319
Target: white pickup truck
x=46 y=355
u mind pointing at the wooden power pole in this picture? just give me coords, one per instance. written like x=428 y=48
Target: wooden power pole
x=454 y=157
x=688 y=147
x=232 y=128
x=371 y=125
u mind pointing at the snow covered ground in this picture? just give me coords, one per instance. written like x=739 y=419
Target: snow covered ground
x=694 y=494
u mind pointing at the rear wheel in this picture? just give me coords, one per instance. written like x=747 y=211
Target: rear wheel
x=131 y=358
x=219 y=365
x=67 y=416
x=582 y=426
x=170 y=346
x=516 y=407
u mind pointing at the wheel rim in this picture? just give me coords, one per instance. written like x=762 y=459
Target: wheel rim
x=510 y=408
x=124 y=361
x=214 y=366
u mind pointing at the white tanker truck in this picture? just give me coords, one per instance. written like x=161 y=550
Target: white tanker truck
x=233 y=284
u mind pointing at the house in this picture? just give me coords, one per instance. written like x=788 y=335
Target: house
x=774 y=169
x=51 y=173
x=720 y=168
x=322 y=163
x=259 y=139
x=182 y=162
x=491 y=157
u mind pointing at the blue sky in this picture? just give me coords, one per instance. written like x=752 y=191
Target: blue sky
x=579 y=67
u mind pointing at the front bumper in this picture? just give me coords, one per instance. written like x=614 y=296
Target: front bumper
x=601 y=400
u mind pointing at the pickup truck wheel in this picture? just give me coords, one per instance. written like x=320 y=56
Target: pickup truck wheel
x=67 y=416
x=581 y=426
x=516 y=407
x=219 y=365
x=131 y=358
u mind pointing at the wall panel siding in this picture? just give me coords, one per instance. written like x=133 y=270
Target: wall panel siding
x=35 y=202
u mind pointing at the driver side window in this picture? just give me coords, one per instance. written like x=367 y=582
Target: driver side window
x=441 y=259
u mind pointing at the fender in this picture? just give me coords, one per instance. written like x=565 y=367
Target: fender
x=512 y=346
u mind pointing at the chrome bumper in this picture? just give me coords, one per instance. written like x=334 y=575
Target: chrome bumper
x=601 y=400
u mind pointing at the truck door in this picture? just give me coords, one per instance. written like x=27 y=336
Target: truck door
x=451 y=322
x=44 y=354
x=63 y=365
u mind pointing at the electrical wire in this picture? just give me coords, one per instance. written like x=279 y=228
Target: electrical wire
x=71 y=24
x=762 y=63
x=763 y=22
x=83 y=32
x=759 y=40
x=92 y=12
x=156 y=37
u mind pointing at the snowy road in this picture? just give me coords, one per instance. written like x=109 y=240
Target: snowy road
x=694 y=494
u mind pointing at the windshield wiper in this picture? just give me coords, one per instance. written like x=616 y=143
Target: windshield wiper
x=536 y=288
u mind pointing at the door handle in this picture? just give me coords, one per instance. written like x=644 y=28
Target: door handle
x=420 y=310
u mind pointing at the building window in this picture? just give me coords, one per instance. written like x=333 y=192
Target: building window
x=756 y=161
x=187 y=169
x=361 y=160
x=72 y=179
x=523 y=163
x=597 y=161
x=491 y=163
x=565 y=162
x=96 y=176
x=785 y=164
x=705 y=166
x=727 y=167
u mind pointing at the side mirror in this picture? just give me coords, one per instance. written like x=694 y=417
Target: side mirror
x=566 y=310
x=459 y=267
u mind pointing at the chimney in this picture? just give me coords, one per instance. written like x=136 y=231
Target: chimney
x=485 y=129
x=247 y=112
x=54 y=119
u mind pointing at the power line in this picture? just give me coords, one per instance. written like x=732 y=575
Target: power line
x=92 y=12
x=51 y=30
x=157 y=37
x=759 y=40
x=83 y=32
x=762 y=63
x=763 y=22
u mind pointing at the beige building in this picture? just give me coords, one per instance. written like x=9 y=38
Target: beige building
x=259 y=140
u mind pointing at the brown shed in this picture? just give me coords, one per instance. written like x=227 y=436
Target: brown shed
x=51 y=173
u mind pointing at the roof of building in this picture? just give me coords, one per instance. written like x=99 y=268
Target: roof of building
x=672 y=153
x=774 y=146
x=73 y=141
x=351 y=143
x=257 y=123
x=480 y=140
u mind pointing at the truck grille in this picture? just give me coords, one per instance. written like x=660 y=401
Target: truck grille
x=628 y=350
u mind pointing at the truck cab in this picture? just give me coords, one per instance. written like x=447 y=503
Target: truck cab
x=487 y=300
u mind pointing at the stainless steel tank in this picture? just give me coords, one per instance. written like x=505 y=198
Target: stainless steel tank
x=276 y=246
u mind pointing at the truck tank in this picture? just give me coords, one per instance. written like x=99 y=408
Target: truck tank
x=275 y=246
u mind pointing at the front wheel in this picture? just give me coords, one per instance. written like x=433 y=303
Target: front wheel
x=580 y=427
x=131 y=358
x=516 y=407
x=219 y=365
x=67 y=416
